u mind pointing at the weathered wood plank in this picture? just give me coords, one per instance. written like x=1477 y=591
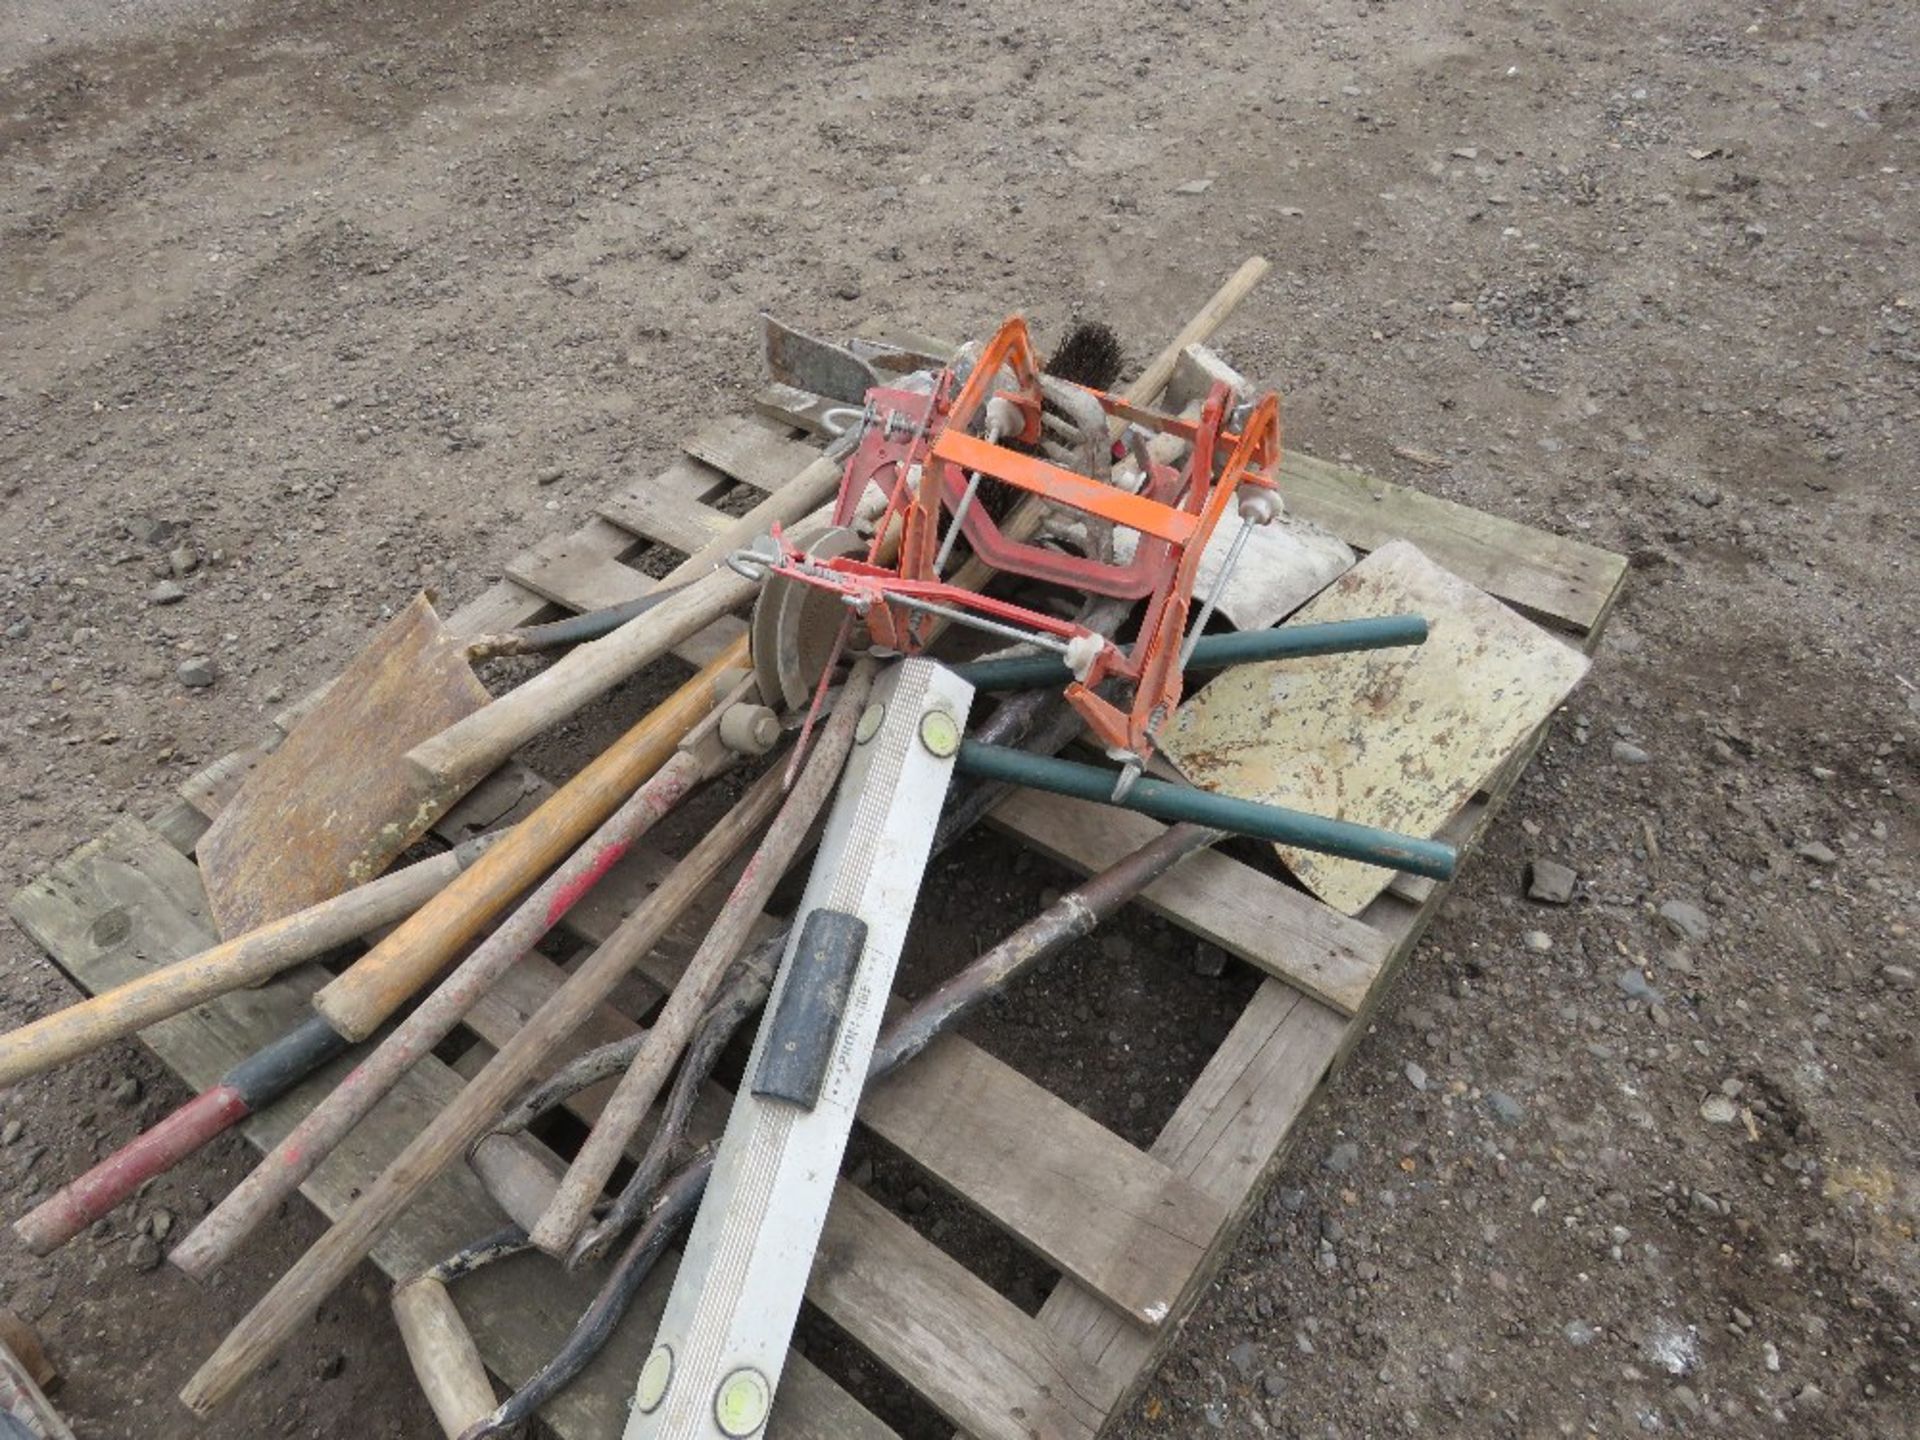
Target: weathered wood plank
x=1092 y=1204
x=582 y=571
x=1563 y=581
x=988 y=1368
x=668 y=519
x=1226 y=1136
x=577 y=572
x=821 y=418
x=1254 y=916
x=753 y=450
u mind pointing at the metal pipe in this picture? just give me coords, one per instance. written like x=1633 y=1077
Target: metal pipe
x=1164 y=801
x=1217 y=652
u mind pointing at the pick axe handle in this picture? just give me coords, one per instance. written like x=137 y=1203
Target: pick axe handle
x=244 y=960
x=379 y=982
x=458 y=756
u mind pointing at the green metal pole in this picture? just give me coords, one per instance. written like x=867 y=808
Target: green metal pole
x=1172 y=803
x=1217 y=652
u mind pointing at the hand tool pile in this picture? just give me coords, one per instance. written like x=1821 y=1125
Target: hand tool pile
x=982 y=494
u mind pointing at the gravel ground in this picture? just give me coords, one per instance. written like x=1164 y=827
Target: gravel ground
x=299 y=305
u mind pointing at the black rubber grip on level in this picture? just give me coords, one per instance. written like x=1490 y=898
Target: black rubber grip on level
x=806 y=1026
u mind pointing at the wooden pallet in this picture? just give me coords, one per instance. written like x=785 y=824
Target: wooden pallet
x=1135 y=1234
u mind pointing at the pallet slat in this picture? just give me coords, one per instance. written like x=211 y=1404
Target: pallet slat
x=754 y=451
x=1096 y=1207
x=1565 y=582
x=983 y=1364
x=658 y=517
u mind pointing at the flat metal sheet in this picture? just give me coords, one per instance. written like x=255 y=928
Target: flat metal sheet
x=1396 y=738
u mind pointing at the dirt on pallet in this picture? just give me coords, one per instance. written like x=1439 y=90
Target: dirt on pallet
x=306 y=306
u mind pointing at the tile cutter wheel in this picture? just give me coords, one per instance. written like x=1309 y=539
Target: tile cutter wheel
x=723 y=1337
x=918 y=472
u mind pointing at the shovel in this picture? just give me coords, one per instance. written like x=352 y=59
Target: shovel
x=333 y=806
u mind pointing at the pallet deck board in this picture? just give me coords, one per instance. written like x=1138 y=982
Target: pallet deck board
x=1567 y=582
x=981 y=1362
x=1091 y=1204
x=1127 y=1226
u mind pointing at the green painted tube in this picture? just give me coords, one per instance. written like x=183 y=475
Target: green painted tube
x=1217 y=652
x=1163 y=801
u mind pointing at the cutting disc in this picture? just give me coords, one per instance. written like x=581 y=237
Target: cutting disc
x=795 y=625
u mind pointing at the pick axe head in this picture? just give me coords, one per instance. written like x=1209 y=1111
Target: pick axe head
x=336 y=802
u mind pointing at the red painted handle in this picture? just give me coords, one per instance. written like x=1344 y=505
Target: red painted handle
x=57 y=1220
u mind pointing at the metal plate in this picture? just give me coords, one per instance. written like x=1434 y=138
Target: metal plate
x=1395 y=738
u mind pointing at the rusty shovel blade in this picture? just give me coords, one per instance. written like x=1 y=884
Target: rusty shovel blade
x=336 y=802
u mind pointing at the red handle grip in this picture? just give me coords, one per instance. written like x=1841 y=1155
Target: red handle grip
x=56 y=1220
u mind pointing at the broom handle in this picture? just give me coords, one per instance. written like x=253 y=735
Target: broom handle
x=246 y=959
x=459 y=755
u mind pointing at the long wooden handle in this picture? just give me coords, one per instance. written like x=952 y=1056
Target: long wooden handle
x=244 y=960
x=445 y=1360
x=378 y=983
x=290 y=1303
x=458 y=756
x=634 y=1096
x=1148 y=384
x=305 y=1147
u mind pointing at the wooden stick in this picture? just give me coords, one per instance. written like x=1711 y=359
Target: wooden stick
x=445 y=1359
x=640 y=1086
x=244 y=960
x=292 y=1300
x=379 y=982
x=1148 y=384
x=458 y=756
x=322 y=1128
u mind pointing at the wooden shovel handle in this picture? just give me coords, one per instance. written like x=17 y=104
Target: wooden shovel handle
x=456 y=758
x=358 y=1001
x=445 y=1360
x=246 y=959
